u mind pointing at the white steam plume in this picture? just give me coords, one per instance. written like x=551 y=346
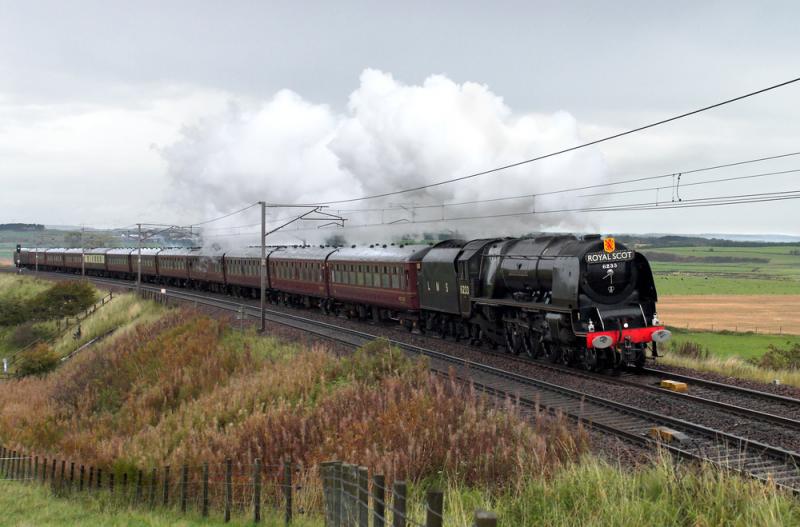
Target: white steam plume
x=391 y=136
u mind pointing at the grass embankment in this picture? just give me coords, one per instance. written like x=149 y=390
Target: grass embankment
x=186 y=389
x=31 y=319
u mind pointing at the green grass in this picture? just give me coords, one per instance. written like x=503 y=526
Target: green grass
x=593 y=492
x=675 y=284
x=34 y=505
x=123 y=311
x=724 y=344
x=780 y=276
x=587 y=493
x=21 y=287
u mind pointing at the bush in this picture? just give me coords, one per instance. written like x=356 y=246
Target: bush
x=779 y=358
x=13 y=311
x=26 y=334
x=39 y=360
x=690 y=349
x=63 y=299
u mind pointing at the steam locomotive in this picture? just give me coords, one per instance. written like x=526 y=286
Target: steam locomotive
x=574 y=300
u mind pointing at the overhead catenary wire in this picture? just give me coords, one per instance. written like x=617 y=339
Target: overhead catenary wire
x=528 y=196
x=577 y=189
x=556 y=153
x=686 y=203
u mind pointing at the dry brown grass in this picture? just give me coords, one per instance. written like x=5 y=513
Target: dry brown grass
x=186 y=390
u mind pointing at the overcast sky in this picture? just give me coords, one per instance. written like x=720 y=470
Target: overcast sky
x=114 y=113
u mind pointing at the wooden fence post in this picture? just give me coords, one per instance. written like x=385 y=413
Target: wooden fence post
x=90 y=481
x=3 y=462
x=80 y=479
x=363 y=497
x=257 y=490
x=184 y=487
x=352 y=495
x=435 y=502
x=485 y=519
x=125 y=485
x=12 y=472
x=399 y=504
x=378 y=500
x=287 y=487
x=205 y=489
x=228 y=488
x=153 y=483
x=35 y=474
x=111 y=482
x=165 y=497
x=344 y=485
x=99 y=478
x=53 y=474
x=71 y=475
x=337 y=494
x=63 y=470
x=138 y=495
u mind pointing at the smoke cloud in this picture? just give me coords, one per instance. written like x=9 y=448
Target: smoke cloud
x=390 y=136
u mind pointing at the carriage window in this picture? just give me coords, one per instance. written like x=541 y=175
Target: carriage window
x=395 y=278
x=385 y=279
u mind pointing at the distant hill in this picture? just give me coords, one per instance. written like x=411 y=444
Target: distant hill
x=21 y=227
x=671 y=240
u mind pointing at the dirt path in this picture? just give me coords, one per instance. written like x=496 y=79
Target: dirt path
x=765 y=313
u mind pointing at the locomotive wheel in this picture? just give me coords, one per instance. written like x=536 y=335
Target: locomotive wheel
x=590 y=360
x=552 y=352
x=533 y=345
x=510 y=345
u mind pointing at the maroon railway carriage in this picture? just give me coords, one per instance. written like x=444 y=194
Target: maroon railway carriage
x=299 y=273
x=95 y=261
x=377 y=281
x=54 y=258
x=242 y=273
x=119 y=262
x=173 y=266
x=206 y=270
x=149 y=263
x=72 y=258
x=39 y=257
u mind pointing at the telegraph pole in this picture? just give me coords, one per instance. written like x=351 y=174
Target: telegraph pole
x=83 y=256
x=139 y=264
x=263 y=264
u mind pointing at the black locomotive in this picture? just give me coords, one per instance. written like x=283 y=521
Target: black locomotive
x=573 y=300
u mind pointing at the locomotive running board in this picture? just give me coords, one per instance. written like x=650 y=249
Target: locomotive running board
x=525 y=306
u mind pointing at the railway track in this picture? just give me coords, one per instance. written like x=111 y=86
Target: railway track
x=762 y=406
x=687 y=439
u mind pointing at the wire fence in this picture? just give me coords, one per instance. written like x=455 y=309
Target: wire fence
x=343 y=494
x=735 y=327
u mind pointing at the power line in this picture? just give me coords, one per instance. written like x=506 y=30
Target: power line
x=712 y=201
x=225 y=216
x=559 y=152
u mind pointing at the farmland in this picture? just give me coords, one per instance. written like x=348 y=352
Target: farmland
x=767 y=270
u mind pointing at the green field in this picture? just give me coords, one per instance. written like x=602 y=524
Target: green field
x=778 y=275
x=724 y=344
x=35 y=505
